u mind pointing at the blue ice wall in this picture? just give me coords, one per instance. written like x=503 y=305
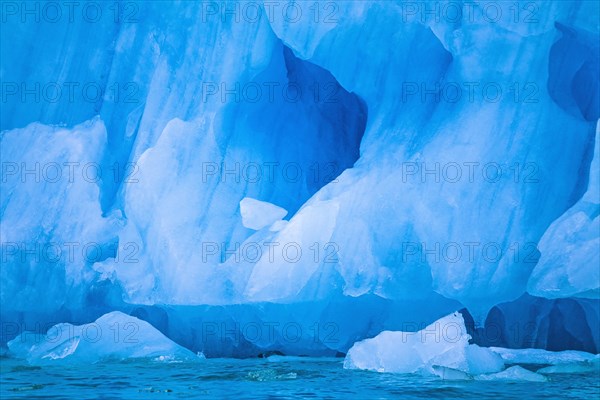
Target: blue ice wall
x=427 y=162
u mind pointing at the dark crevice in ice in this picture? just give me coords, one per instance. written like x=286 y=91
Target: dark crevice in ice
x=535 y=322
x=573 y=81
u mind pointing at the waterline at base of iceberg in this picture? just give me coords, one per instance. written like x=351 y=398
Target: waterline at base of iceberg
x=423 y=360
x=259 y=378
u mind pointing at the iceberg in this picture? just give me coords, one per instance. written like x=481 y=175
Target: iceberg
x=346 y=175
x=114 y=336
x=441 y=348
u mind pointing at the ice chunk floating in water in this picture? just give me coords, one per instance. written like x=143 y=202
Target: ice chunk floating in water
x=443 y=344
x=114 y=336
x=443 y=349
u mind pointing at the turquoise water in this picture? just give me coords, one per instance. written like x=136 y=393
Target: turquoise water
x=263 y=379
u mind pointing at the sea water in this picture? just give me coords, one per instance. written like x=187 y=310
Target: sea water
x=264 y=378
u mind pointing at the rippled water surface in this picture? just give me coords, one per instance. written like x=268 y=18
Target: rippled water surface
x=264 y=379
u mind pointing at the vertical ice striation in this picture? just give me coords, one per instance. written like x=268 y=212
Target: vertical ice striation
x=52 y=227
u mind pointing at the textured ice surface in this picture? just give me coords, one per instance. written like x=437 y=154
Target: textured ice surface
x=418 y=132
x=53 y=228
x=114 y=336
x=445 y=344
x=569 y=265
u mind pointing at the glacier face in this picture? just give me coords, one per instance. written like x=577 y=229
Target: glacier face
x=427 y=162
